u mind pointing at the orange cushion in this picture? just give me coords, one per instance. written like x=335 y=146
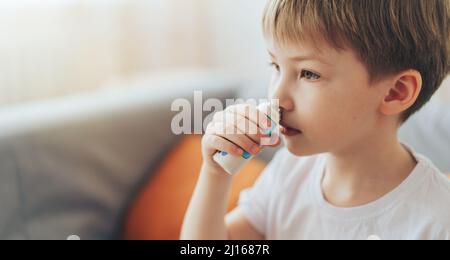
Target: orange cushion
x=159 y=210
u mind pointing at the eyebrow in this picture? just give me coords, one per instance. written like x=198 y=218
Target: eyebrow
x=304 y=58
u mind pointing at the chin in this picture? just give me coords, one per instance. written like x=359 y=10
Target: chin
x=300 y=149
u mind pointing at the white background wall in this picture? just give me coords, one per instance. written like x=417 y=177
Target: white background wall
x=55 y=47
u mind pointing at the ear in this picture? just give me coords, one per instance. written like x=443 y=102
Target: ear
x=402 y=92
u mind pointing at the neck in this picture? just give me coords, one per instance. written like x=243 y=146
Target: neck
x=367 y=170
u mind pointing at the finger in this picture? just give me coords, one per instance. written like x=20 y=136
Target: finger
x=244 y=125
x=272 y=140
x=253 y=114
x=217 y=143
x=240 y=139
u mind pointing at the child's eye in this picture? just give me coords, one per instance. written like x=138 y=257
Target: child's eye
x=309 y=75
x=276 y=66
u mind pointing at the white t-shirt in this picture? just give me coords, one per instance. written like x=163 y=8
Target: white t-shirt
x=287 y=202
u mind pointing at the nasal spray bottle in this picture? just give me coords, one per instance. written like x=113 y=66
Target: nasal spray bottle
x=232 y=163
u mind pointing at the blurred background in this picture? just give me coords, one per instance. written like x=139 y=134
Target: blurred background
x=57 y=47
x=86 y=149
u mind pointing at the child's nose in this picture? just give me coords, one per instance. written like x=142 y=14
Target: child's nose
x=286 y=103
x=282 y=94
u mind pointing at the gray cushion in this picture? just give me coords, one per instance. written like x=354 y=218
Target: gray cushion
x=71 y=166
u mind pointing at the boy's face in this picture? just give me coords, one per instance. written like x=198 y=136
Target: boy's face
x=327 y=96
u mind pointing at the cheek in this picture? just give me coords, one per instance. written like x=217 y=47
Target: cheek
x=335 y=115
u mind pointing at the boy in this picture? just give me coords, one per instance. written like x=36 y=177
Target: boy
x=347 y=74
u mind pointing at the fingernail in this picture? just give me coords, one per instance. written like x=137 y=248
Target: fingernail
x=268 y=132
x=246 y=155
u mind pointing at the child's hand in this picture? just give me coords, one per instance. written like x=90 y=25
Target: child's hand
x=238 y=130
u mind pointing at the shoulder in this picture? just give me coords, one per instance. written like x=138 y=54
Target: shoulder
x=432 y=200
x=437 y=183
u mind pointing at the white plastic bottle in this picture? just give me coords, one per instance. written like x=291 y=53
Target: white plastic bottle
x=232 y=163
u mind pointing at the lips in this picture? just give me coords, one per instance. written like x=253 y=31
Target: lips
x=287 y=130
